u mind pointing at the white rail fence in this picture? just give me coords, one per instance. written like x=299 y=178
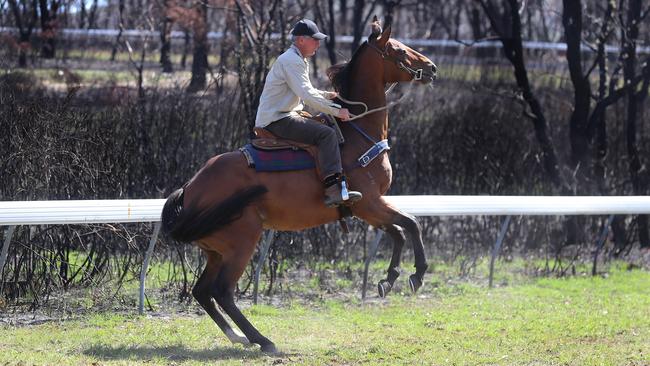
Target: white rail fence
x=70 y=33
x=17 y=213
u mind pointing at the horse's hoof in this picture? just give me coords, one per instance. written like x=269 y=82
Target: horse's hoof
x=415 y=283
x=269 y=348
x=384 y=287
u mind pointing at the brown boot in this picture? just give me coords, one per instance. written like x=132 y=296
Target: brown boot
x=336 y=192
x=334 y=196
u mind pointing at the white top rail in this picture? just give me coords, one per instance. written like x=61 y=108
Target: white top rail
x=148 y=210
x=132 y=33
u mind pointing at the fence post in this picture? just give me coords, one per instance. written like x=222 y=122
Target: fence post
x=497 y=246
x=260 y=262
x=371 y=254
x=5 y=248
x=145 y=265
x=601 y=243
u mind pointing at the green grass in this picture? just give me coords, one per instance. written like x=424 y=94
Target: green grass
x=578 y=320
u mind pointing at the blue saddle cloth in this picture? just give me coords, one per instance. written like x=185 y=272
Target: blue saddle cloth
x=277 y=160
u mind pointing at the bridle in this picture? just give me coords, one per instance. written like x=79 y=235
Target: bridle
x=415 y=73
x=379 y=147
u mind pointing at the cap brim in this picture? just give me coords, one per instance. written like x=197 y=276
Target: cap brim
x=319 y=36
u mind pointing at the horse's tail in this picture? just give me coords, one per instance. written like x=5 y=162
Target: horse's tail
x=188 y=224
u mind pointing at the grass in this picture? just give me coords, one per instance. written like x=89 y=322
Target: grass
x=578 y=320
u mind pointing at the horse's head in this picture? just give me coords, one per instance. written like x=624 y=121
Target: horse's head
x=399 y=62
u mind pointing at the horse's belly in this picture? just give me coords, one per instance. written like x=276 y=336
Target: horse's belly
x=294 y=201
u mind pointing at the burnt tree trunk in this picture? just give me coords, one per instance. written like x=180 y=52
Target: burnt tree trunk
x=630 y=36
x=329 y=26
x=507 y=25
x=201 y=48
x=357 y=26
x=165 y=41
x=598 y=116
x=25 y=21
x=578 y=136
x=48 y=27
x=120 y=8
x=92 y=15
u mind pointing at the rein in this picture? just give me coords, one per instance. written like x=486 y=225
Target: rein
x=365 y=106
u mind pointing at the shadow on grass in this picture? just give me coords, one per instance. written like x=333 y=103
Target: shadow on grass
x=170 y=353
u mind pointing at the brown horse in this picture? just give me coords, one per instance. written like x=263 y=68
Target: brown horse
x=225 y=207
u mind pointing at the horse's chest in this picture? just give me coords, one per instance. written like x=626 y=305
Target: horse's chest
x=377 y=176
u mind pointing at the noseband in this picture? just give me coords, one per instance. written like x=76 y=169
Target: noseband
x=415 y=73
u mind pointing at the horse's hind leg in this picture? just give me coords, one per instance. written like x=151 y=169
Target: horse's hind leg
x=397 y=234
x=224 y=295
x=240 y=240
x=202 y=292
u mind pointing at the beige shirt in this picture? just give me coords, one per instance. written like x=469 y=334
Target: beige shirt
x=287 y=86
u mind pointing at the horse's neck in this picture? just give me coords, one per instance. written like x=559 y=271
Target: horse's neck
x=371 y=92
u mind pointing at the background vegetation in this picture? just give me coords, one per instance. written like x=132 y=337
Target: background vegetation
x=121 y=116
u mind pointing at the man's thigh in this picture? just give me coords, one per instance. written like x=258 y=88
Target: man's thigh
x=298 y=129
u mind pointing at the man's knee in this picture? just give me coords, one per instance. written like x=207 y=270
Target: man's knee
x=327 y=135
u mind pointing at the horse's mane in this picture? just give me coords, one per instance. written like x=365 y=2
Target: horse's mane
x=339 y=74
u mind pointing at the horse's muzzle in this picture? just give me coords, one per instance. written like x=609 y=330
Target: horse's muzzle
x=430 y=73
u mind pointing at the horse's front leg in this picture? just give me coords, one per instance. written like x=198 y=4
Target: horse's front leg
x=397 y=234
x=414 y=231
x=381 y=214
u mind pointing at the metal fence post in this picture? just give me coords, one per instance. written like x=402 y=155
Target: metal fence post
x=268 y=239
x=5 y=248
x=497 y=246
x=145 y=265
x=601 y=242
x=371 y=254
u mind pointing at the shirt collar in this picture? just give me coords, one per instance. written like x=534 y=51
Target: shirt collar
x=293 y=47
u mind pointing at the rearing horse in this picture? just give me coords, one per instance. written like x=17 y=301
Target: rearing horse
x=225 y=207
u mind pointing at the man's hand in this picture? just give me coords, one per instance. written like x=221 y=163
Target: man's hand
x=344 y=114
x=331 y=95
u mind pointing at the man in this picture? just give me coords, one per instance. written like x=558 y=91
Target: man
x=287 y=86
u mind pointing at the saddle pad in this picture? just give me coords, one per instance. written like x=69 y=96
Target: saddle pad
x=277 y=160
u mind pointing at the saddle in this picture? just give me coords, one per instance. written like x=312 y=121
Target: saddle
x=266 y=141
x=267 y=146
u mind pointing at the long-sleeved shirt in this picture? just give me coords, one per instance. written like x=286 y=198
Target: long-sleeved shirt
x=287 y=86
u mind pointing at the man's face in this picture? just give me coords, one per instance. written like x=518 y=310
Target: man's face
x=308 y=45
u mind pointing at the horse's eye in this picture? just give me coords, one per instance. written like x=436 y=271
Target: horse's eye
x=401 y=51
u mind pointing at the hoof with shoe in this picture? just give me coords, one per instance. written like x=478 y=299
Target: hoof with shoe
x=415 y=283
x=384 y=287
x=269 y=348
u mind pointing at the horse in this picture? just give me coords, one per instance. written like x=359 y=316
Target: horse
x=226 y=206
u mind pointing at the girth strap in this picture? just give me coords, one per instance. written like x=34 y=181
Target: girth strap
x=373 y=152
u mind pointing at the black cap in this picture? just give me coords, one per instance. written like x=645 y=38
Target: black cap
x=306 y=27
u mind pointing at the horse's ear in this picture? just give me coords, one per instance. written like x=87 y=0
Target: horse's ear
x=375 y=30
x=385 y=35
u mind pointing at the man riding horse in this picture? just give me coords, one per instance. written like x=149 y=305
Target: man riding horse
x=287 y=86
x=226 y=205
